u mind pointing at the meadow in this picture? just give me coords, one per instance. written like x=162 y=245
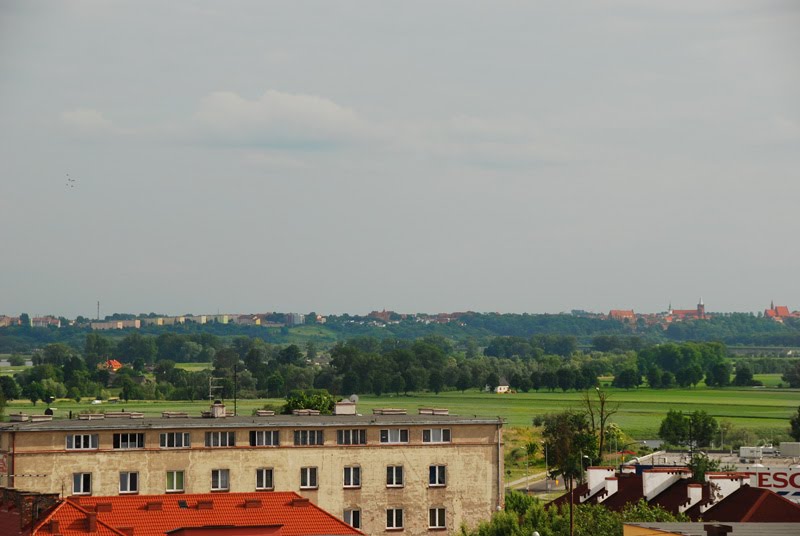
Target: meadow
x=764 y=411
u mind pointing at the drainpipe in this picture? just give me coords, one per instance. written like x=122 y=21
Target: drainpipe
x=499 y=464
x=11 y=456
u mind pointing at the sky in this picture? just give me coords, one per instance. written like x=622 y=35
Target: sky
x=416 y=156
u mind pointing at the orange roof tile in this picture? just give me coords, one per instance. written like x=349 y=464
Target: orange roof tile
x=295 y=515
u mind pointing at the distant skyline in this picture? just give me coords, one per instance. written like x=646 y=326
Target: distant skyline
x=104 y=313
x=417 y=156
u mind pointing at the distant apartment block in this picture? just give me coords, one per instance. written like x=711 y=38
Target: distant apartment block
x=116 y=324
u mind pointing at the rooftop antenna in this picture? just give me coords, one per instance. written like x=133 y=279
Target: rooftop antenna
x=98 y=310
x=211 y=388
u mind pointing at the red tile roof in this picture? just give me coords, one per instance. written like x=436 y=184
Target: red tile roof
x=748 y=504
x=155 y=515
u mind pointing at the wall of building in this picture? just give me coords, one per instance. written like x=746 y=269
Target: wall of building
x=471 y=459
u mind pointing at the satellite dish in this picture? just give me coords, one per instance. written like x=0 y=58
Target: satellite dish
x=354 y=399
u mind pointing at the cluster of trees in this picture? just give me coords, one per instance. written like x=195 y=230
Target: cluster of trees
x=603 y=334
x=524 y=515
x=698 y=429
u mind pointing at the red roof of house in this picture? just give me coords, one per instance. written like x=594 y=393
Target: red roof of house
x=154 y=515
x=113 y=364
x=621 y=313
x=748 y=504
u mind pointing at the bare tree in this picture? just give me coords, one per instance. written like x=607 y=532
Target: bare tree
x=599 y=412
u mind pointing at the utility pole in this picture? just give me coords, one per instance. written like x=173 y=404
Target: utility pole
x=98 y=310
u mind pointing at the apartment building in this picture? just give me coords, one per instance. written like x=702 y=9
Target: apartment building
x=381 y=473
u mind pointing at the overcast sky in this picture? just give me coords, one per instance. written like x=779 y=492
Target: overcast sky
x=414 y=156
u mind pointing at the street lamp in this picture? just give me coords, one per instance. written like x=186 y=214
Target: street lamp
x=546 y=469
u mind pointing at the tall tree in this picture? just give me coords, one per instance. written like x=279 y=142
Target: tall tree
x=599 y=413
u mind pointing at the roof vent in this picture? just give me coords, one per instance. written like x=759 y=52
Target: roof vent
x=389 y=411
x=183 y=504
x=305 y=412
x=41 y=418
x=91 y=416
x=124 y=415
x=252 y=503
x=155 y=505
x=434 y=411
x=205 y=505
x=264 y=413
x=103 y=507
x=300 y=502
x=174 y=415
x=19 y=417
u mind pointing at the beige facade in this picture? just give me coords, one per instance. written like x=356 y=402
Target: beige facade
x=421 y=472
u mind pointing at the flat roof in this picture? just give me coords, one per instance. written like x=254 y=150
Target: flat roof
x=272 y=421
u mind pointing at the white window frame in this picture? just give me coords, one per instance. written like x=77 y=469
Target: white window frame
x=220 y=439
x=82 y=441
x=394 y=518
x=352 y=476
x=128 y=482
x=124 y=441
x=394 y=476
x=437 y=518
x=265 y=438
x=352 y=516
x=261 y=478
x=220 y=479
x=436 y=435
x=81 y=483
x=309 y=437
x=355 y=436
x=175 y=476
x=391 y=436
x=308 y=478
x=180 y=440
x=437 y=476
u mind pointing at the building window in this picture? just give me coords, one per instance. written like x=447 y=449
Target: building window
x=394 y=518
x=264 y=479
x=436 y=518
x=82 y=483
x=394 y=435
x=129 y=482
x=81 y=441
x=264 y=438
x=353 y=517
x=394 y=476
x=308 y=437
x=220 y=439
x=437 y=475
x=351 y=437
x=128 y=441
x=352 y=477
x=220 y=480
x=436 y=435
x=308 y=478
x=175 y=440
x=174 y=481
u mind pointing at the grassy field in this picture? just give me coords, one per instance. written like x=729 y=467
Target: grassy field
x=640 y=411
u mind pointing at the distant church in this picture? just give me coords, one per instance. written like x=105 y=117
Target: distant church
x=674 y=315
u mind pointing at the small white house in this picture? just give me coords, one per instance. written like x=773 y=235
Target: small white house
x=502 y=387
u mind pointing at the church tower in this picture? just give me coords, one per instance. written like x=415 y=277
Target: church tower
x=701 y=309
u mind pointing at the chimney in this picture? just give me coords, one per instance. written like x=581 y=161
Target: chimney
x=722 y=485
x=344 y=407
x=717 y=530
x=654 y=481
x=694 y=492
x=612 y=485
x=217 y=409
x=595 y=480
x=91 y=522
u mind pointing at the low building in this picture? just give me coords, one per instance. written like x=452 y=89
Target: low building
x=45 y=322
x=723 y=496
x=382 y=472
x=233 y=514
x=117 y=324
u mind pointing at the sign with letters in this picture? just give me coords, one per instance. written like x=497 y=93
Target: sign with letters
x=784 y=481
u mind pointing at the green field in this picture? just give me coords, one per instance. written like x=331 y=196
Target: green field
x=763 y=411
